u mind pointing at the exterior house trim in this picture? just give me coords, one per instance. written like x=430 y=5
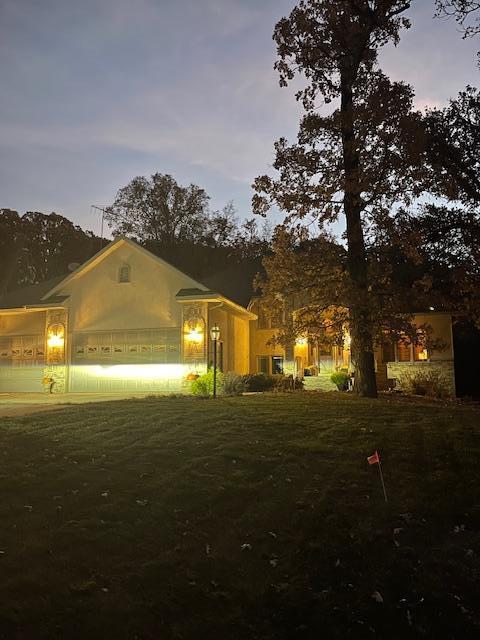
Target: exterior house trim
x=211 y=296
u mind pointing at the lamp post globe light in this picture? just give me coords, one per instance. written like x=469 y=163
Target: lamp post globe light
x=215 y=336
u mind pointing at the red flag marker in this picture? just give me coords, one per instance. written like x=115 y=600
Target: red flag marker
x=375 y=459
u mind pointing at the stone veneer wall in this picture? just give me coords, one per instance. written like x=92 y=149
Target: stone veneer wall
x=58 y=374
x=395 y=369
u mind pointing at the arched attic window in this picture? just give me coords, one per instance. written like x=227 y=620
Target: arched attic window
x=124 y=273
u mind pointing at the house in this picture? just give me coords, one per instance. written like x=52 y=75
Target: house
x=123 y=321
x=392 y=360
x=127 y=321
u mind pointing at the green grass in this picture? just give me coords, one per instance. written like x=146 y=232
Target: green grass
x=129 y=519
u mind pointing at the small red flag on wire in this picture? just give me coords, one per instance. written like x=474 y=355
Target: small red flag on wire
x=375 y=459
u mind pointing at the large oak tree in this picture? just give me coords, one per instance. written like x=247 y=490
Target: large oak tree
x=354 y=162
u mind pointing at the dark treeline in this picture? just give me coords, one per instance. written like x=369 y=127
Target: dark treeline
x=35 y=247
x=173 y=222
x=177 y=223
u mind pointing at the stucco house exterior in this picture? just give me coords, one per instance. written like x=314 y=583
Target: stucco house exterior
x=127 y=321
x=123 y=321
x=307 y=356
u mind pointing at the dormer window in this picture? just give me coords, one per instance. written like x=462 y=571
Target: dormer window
x=124 y=273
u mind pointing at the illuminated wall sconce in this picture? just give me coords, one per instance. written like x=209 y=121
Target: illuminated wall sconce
x=195 y=335
x=56 y=336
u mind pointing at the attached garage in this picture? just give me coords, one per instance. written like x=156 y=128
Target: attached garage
x=22 y=363
x=124 y=322
x=137 y=361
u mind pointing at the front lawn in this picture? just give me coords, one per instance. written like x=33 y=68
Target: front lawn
x=243 y=518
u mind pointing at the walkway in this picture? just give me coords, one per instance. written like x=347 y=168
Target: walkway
x=21 y=404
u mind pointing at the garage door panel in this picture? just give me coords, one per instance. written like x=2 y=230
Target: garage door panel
x=22 y=363
x=137 y=361
x=21 y=379
x=142 y=378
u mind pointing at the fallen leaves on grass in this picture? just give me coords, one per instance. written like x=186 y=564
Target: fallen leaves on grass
x=377 y=596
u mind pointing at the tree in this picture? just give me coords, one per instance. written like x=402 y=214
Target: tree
x=11 y=247
x=452 y=139
x=356 y=161
x=160 y=212
x=448 y=233
x=306 y=277
x=176 y=223
x=465 y=12
x=303 y=287
x=36 y=247
x=52 y=242
x=443 y=262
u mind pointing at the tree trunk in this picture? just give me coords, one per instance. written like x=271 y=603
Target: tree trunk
x=359 y=308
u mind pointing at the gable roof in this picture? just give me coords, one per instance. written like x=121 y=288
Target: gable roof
x=186 y=295
x=236 y=282
x=32 y=295
x=109 y=249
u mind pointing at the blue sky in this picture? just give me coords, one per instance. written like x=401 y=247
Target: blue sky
x=99 y=91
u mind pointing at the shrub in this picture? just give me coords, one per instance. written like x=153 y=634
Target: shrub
x=278 y=382
x=203 y=385
x=258 y=382
x=232 y=384
x=430 y=383
x=340 y=378
x=286 y=383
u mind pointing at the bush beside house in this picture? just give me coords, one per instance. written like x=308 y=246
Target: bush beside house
x=431 y=383
x=340 y=378
x=232 y=384
x=262 y=382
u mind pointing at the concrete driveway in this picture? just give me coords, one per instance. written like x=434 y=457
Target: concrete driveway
x=22 y=404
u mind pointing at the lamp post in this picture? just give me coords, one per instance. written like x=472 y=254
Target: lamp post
x=215 y=336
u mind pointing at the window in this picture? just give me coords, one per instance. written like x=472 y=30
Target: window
x=277 y=364
x=419 y=353
x=270 y=365
x=408 y=352
x=404 y=352
x=124 y=273
x=263 y=365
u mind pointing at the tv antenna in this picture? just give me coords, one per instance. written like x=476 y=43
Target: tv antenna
x=94 y=207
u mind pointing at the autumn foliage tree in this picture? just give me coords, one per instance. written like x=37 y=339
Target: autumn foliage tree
x=354 y=162
x=418 y=256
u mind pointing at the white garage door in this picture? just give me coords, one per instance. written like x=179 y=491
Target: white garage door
x=21 y=363
x=139 y=361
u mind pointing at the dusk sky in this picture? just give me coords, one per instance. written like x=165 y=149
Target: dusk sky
x=97 y=92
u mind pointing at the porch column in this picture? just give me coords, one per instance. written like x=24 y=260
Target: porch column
x=55 y=369
x=194 y=336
